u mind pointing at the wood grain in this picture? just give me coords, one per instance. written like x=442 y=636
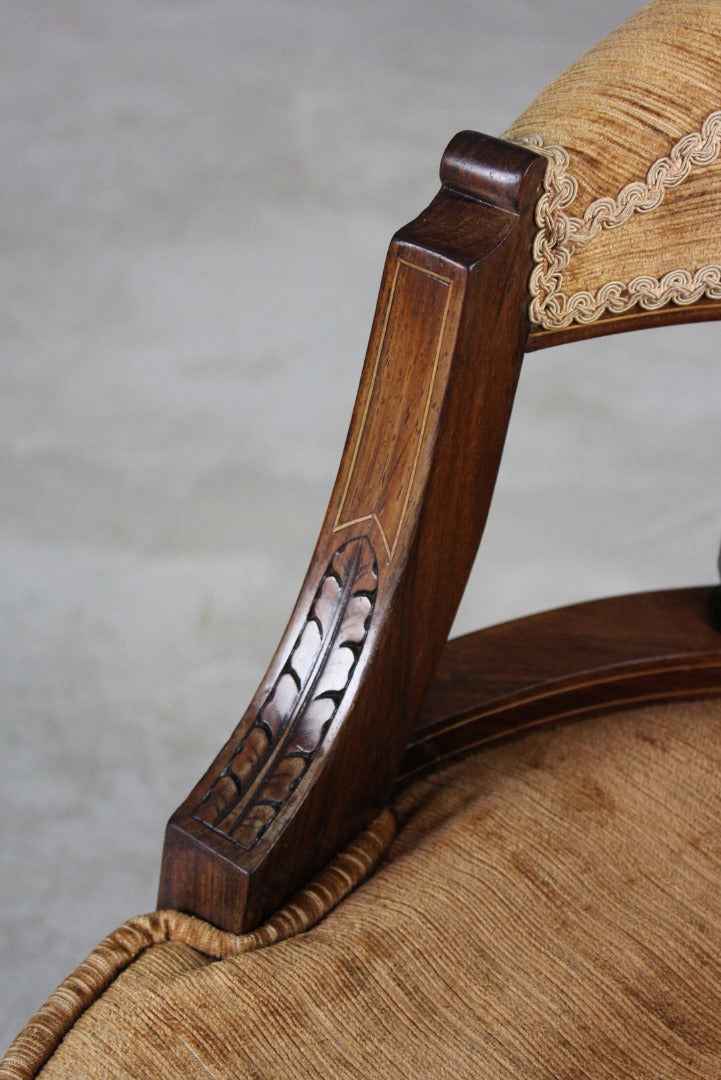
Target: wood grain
x=319 y=748
x=702 y=311
x=563 y=665
x=280 y=744
x=413 y=488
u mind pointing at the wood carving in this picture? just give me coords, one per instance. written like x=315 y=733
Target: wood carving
x=314 y=757
x=290 y=726
x=316 y=754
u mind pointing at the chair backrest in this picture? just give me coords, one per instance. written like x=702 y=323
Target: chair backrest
x=614 y=224
x=627 y=223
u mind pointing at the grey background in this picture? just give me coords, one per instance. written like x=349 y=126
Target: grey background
x=195 y=201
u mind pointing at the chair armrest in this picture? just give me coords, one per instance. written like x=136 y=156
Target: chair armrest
x=314 y=757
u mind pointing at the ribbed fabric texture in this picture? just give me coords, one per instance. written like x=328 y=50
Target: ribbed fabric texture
x=550 y=909
x=619 y=109
x=197 y=944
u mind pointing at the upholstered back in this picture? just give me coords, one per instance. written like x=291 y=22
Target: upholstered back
x=630 y=216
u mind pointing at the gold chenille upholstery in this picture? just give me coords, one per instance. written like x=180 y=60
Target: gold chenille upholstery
x=551 y=908
x=644 y=93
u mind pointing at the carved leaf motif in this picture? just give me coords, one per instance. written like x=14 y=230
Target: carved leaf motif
x=351 y=633
x=252 y=827
x=275 y=712
x=218 y=800
x=288 y=772
x=245 y=763
x=316 y=718
x=306 y=651
x=356 y=559
x=292 y=722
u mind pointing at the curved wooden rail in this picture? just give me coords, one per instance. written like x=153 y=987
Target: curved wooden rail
x=701 y=311
x=563 y=665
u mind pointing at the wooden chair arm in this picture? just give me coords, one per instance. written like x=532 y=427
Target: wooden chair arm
x=490 y=268
x=315 y=755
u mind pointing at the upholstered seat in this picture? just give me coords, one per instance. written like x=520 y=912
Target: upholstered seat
x=548 y=906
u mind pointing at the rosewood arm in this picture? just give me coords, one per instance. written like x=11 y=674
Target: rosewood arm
x=316 y=753
x=344 y=710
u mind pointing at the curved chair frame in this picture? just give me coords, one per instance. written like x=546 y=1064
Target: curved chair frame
x=363 y=692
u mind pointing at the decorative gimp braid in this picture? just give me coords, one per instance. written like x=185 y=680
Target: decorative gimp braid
x=560 y=235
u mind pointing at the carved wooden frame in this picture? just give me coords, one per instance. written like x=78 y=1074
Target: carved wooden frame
x=331 y=727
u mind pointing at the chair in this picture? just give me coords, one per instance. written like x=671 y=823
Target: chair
x=539 y=898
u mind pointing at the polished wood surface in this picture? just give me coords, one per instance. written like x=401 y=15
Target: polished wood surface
x=315 y=755
x=638 y=319
x=563 y=665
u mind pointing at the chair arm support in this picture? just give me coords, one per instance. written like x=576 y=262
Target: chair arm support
x=315 y=755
